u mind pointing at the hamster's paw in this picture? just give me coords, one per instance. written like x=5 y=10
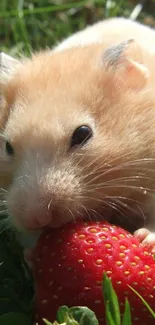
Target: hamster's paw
x=146 y=238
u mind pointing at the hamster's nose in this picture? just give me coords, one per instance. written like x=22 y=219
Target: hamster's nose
x=41 y=219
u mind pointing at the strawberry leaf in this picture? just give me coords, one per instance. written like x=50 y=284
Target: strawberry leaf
x=112 y=308
x=70 y=320
x=76 y=315
x=126 y=320
x=109 y=318
x=46 y=322
x=62 y=314
x=83 y=315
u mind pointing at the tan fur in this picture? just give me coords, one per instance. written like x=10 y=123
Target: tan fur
x=46 y=100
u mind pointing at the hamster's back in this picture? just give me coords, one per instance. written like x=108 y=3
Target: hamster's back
x=110 y=32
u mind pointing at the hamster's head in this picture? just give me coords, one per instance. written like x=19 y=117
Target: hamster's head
x=77 y=136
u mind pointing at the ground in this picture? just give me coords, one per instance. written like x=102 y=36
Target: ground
x=28 y=25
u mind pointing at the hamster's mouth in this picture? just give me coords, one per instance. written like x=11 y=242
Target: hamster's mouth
x=130 y=222
x=56 y=222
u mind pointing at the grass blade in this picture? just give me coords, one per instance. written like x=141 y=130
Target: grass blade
x=111 y=297
x=109 y=318
x=126 y=320
x=144 y=302
x=48 y=9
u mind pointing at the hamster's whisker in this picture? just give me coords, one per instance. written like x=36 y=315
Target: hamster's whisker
x=82 y=156
x=121 y=210
x=43 y=204
x=105 y=200
x=71 y=213
x=97 y=215
x=99 y=170
x=88 y=198
x=88 y=213
x=110 y=204
x=124 y=179
x=114 y=205
x=115 y=185
x=117 y=204
x=117 y=168
x=132 y=212
x=91 y=163
x=130 y=208
x=121 y=198
x=129 y=164
x=49 y=204
x=94 y=215
x=79 y=214
x=125 y=163
x=119 y=201
x=98 y=158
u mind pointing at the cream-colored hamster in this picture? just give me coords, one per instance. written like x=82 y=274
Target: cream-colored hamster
x=78 y=130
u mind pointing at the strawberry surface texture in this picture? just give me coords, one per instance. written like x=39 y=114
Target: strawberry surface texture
x=68 y=269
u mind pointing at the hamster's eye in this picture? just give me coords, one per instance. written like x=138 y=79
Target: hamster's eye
x=81 y=135
x=9 y=149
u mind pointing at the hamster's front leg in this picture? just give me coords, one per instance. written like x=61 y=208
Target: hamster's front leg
x=146 y=237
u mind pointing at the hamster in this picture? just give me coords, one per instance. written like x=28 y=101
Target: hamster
x=78 y=131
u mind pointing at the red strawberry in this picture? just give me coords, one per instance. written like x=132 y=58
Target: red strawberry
x=69 y=264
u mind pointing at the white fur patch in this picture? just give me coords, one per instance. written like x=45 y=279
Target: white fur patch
x=8 y=67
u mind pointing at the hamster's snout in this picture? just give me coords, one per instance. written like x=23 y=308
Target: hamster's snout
x=35 y=213
x=49 y=199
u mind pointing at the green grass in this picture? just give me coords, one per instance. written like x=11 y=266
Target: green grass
x=27 y=24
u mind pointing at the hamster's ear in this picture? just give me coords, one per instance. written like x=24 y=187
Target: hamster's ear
x=125 y=61
x=8 y=67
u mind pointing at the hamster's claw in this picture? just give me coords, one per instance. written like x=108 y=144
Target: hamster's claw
x=141 y=234
x=146 y=238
